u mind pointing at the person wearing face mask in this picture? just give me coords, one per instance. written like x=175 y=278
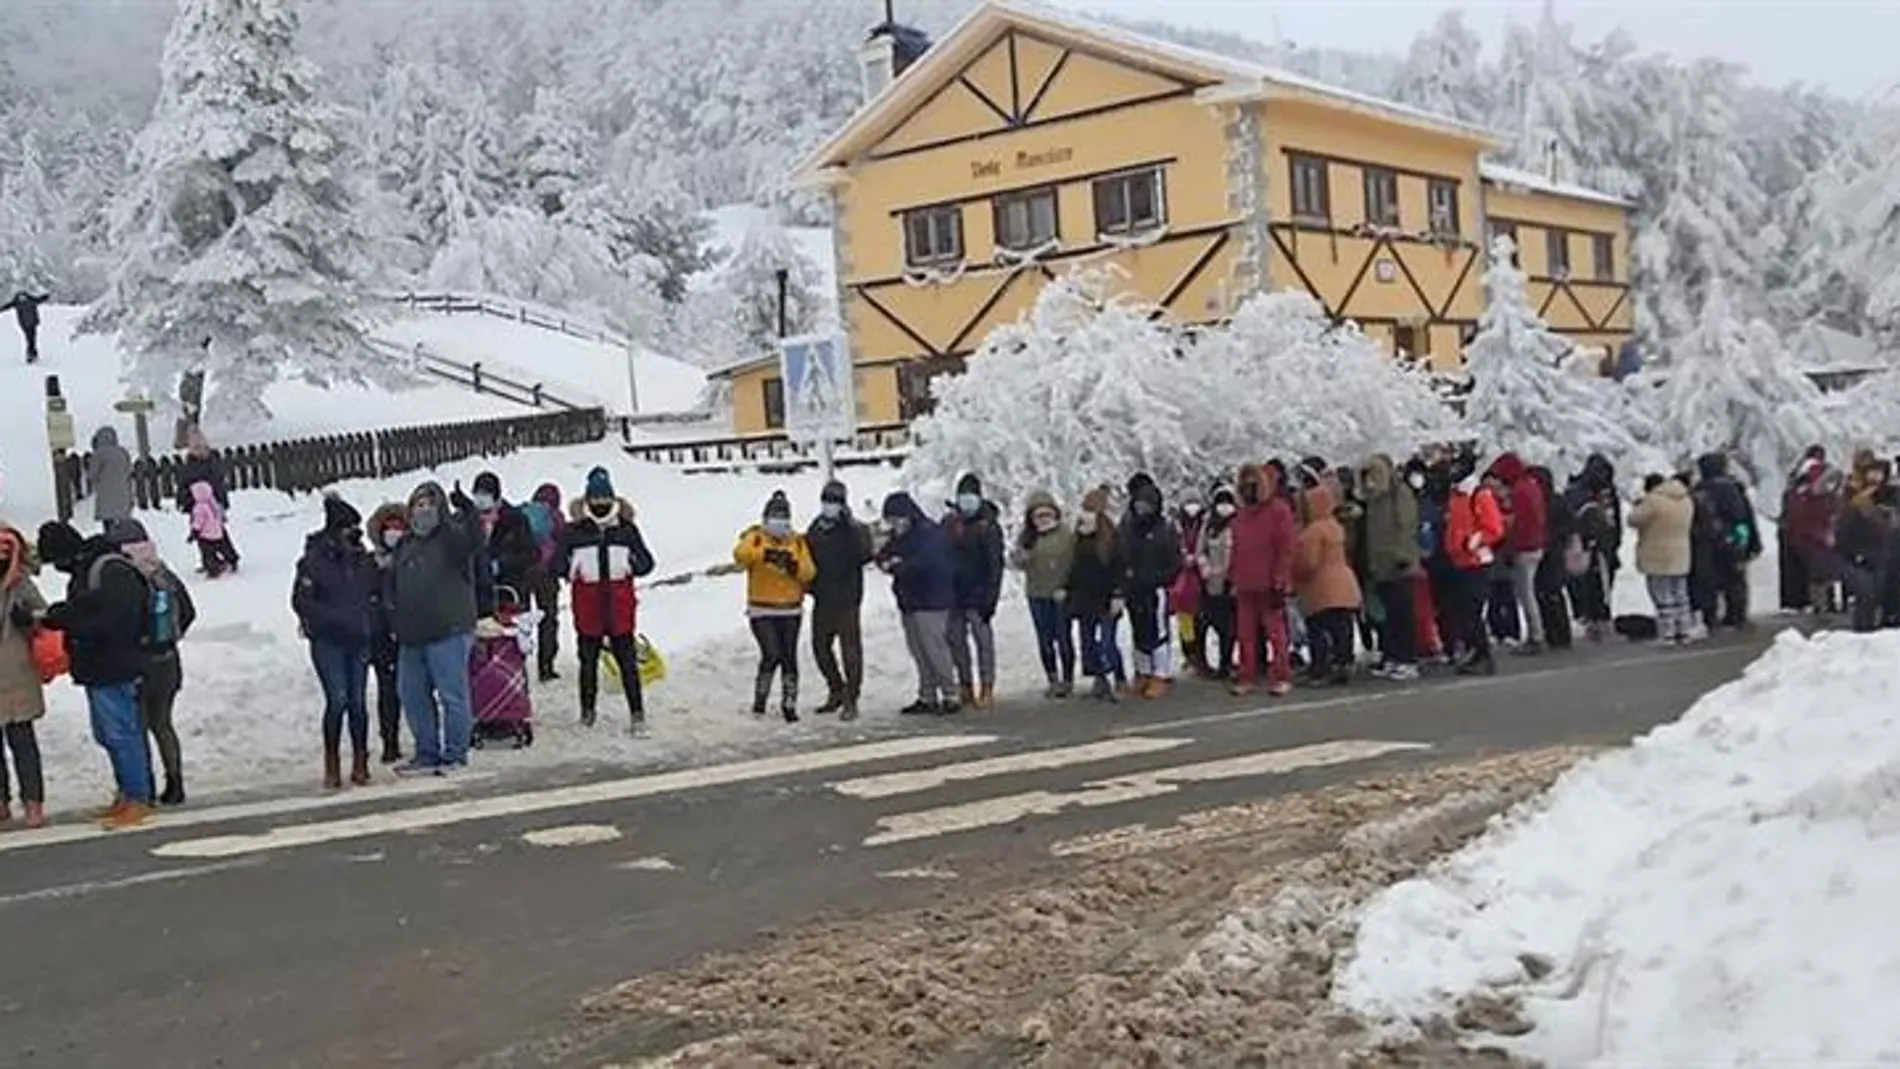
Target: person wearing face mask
x=431 y=586
x=923 y=580
x=840 y=548
x=1045 y=553
x=778 y=567
x=1151 y=554
x=512 y=554
x=1213 y=557
x=1095 y=593
x=603 y=556
x=333 y=596
x=386 y=528
x=22 y=696
x=1261 y=574
x=976 y=546
x=1392 y=564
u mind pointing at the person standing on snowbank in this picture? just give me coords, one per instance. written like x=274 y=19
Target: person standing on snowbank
x=917 y=558
x=171 y=617
x=333 y=596
x=840 y=548
x=431 y=591
x=778 y=566
x=26 y=310
x=976 y=545
x=109 y=473
x=604 y=556
x=102 y=618
x=1045 y=553
x=22 y=696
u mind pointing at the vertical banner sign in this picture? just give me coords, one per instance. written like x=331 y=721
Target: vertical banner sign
x=820 y=395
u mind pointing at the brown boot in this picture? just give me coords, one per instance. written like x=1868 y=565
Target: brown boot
x=359 y=769
x=986 y=697
x=36 y=814
x=966 y=697
x=332 y=771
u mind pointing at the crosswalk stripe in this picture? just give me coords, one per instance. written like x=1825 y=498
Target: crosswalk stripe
x=469 y=810
x=1148 y=783
x=929 y=779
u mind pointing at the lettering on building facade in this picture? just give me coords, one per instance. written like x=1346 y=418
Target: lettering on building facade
x=1022 y=161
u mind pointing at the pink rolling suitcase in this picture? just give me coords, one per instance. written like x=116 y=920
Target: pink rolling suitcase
x=498 y=685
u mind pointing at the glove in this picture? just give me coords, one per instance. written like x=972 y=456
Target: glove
x=23 y=618
x=459 y=500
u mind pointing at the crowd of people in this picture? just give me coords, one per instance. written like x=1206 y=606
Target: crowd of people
x=1327 y=571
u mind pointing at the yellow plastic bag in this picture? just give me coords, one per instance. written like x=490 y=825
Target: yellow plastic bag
x=652 y=665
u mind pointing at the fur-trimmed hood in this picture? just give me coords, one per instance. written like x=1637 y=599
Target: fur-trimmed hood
x=577 y=511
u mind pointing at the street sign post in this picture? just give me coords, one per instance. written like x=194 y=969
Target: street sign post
x=821 y=406
x=139 y=407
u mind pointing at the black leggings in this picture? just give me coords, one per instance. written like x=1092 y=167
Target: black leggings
x=24 y=744
x=1330 y=633
x=777 y=637
x=626 y=658
x=158 y=693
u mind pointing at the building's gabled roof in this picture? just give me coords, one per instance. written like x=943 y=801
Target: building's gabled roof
x=1226 y=77
x=1517 y=178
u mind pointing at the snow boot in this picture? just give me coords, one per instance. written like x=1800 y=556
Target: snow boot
x=332 y=770
x=833 y=703
x=920 y=707
x=788 y=697
x=129 y=815
x=36 y=814
x=174 y=792
x=588 y=716
x=1065 y=689
x=986 y=696
x=639 y=729
x=761 y=692
x=849 y=711
x=359 y=769
x=966 y=694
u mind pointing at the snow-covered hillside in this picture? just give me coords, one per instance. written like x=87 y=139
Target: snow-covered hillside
x=89 y=368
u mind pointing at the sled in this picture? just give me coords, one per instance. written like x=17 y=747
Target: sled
x=498 y=679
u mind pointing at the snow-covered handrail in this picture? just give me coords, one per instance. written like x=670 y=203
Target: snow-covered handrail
x=526 y=313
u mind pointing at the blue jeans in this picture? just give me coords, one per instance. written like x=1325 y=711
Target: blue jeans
x=1101 y=648
x=343 y=672
x=1055 y=640
x=116 y=727
x=432 y=674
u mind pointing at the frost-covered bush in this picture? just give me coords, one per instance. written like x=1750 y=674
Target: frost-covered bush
x=1522 y=399
x=1089 y=388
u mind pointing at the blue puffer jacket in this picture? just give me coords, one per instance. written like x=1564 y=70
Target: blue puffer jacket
x=923 y=576
x=334 y=596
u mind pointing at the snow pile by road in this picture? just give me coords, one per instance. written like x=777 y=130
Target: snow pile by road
x=1717 y=894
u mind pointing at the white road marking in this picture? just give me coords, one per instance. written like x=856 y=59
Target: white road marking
x=76 y=890
x=1450 y=687
x=647 y=864
x=169 y=819
x=1149 y=783
x=469 y=810
x=572 y=835
x=929 y=779
x=925 y=873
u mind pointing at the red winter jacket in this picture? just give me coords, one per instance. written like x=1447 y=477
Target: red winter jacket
x=602 y=560
x=1264 y=537
x=1530 y=522
x=1473 y=512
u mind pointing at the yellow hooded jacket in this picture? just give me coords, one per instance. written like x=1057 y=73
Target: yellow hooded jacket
x=770 y=588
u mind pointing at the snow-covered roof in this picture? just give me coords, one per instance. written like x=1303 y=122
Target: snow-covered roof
x=1499 y=174
x=1821 y=349
x=1232 y=78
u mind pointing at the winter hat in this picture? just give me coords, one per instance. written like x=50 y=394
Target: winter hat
x=59 y=543
x=834 y=493
x=600 y=485
x=778 y=506
x=126 y=532
x=339 y=515
x=488 y=483
x=970 y=484
x=429 y=493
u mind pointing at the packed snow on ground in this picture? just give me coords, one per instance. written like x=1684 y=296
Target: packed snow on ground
x=250 y=712
x=1717 y=894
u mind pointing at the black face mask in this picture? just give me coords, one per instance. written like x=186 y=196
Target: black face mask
x=600 y=510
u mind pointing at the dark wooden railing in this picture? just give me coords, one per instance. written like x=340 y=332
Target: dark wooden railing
x=476 y=377
x=311 y=464
x=454 y=303
x=880 y=444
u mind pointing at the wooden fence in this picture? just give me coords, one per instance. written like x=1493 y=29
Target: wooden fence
x=311 y=464
x=476 y=377
x=881 y=444
x=453 y=303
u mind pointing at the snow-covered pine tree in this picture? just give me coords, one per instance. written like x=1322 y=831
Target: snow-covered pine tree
x=1522 y=400
x=1860 y=198
x=751 y=279
x=1732 y=389
x=1444 y=72
x=237 y=238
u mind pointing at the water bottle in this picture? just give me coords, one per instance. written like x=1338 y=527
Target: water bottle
x=162 y=615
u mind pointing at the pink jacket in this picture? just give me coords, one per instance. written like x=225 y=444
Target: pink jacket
x=207 y=519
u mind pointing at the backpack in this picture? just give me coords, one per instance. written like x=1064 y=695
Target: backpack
x=540 y=523
x=169 y=611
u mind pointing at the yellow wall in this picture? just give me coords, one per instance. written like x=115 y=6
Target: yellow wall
x=1090 y=117
x=876 y=394
x=1594 y=311
x=1403 y=277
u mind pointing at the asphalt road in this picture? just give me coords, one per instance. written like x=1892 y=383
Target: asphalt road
x=425 y=930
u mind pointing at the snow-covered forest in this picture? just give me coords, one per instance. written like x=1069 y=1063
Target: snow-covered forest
x=558 y=149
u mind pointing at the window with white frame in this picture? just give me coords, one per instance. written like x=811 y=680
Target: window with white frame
x=1382 y=197
x=933 y=236
x=1026 y=220
x=1312 y=200
x=1441 y=200
x=1130 y=203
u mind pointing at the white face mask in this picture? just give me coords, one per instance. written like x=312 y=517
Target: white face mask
x=1223 y=510
x=831 y=509
x=1044 y=522
x=392 y=537
x=778 y=527
x=1192 y=511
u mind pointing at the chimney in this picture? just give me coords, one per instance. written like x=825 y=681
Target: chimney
x=890 y=48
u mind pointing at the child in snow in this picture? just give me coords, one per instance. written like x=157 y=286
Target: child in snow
x=778 y=566
x=22 y=698
x=208 y=530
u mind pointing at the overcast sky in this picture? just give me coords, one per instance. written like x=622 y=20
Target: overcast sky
x=1851 y=46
